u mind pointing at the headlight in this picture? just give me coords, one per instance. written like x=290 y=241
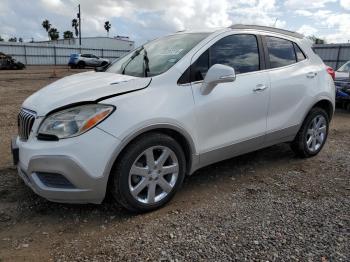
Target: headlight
x=74 y=121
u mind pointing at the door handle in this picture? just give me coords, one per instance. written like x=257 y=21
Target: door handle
x=260 y=88
x=311 y=74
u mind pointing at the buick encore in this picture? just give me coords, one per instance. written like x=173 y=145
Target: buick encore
x=168 y=108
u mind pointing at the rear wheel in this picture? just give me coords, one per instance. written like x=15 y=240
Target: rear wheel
x=81 y=64
x=148 y=173
x=312 y=134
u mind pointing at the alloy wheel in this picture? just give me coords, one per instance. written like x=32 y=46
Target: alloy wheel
x=316 y=133
x=153 y=174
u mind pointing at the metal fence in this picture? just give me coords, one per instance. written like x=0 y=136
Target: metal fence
x=333 y=55
x=43 y=54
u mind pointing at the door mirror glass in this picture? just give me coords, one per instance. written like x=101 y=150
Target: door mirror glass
x=217 y=74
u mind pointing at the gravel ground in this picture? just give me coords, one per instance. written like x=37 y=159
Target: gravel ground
x=263 y=206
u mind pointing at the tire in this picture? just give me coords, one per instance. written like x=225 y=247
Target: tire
x=81 y=64
x=310 y=132
x=134 y=191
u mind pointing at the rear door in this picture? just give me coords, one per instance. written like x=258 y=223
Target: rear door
x=292 y=77
x=232 y=118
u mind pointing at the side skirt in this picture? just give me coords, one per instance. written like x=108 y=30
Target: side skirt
x=247 y=146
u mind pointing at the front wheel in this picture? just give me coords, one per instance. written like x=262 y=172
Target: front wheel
x=148 y=173
x=312 y=134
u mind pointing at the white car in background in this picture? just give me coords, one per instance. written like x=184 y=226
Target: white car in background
x=86 y=60
x=343 y=73
x=168 y=108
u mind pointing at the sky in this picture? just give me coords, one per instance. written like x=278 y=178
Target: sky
x=143 y=20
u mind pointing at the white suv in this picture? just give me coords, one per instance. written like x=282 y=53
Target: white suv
x=168 y=108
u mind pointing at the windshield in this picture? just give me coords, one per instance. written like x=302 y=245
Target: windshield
x=345 y=67
x=157 y=56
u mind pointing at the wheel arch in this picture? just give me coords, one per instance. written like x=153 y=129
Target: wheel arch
x=179 y=134
x=325 y=104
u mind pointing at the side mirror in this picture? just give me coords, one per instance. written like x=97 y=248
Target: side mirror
x=101 y=68
x=217 y=74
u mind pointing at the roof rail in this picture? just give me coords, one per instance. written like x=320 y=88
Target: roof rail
x=267 y=28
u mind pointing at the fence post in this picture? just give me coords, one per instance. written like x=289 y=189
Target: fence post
x=54 y=53
x=25 y=55
x=102 y=52
x=338 y=56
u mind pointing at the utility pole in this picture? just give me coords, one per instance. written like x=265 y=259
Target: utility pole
x=79 y=17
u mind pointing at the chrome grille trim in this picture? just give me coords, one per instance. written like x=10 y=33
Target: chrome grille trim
x=26 y=120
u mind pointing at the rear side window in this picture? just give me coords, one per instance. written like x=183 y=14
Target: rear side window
x=300 y=55
x=238 y=51
x=281 y=52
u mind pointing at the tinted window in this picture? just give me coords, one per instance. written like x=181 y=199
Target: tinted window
x=238 y=51
x=281 y=52
x=300 y=55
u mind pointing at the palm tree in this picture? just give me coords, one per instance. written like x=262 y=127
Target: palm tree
x=46 y=24
x=75 y=25
x=68 y=35
x=20 y=40
x=54 y=34
x=107 y=27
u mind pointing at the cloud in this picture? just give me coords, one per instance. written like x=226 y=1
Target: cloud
x=144 y=20
x=307 y=30
x=302 y=4
x=345 y=4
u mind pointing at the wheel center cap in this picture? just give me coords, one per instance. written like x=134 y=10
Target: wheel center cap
x=154 y=175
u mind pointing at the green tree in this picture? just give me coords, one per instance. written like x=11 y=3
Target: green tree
x=20 y=40
x=316 y=40
x=68 y=35
x=75 y=25
x=46 y=24
x=107 y=26
x=13 y=39
x=54 y=34
x=1 y=39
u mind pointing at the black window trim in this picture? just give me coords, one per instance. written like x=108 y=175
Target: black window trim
x=267 y=57
x=295 y=51
x=261 y=53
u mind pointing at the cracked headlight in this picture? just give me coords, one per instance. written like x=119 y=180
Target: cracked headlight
x=74 y=121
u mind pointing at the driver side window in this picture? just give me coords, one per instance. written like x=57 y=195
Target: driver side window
x=238 y=51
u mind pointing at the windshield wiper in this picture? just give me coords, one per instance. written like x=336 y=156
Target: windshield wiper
x=137 y=52
x=146 y=60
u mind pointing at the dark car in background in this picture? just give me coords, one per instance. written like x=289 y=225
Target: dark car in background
x=342 y=83
x=86 y=60
x=8 y=63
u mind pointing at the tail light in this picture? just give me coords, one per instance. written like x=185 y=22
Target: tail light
x=331 y=72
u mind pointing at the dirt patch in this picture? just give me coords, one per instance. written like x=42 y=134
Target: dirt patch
x=267 y=205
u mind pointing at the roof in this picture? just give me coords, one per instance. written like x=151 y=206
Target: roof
x=269 y=29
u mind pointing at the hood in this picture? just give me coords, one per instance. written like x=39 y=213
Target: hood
x=83 y=87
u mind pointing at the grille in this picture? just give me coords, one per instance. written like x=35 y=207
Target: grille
x=26 y=120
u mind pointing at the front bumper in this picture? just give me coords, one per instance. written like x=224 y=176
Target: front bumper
x=71 y=170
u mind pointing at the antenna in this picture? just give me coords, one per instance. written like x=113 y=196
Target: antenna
x=274 y=24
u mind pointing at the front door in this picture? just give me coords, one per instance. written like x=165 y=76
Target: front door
x=231 y=119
